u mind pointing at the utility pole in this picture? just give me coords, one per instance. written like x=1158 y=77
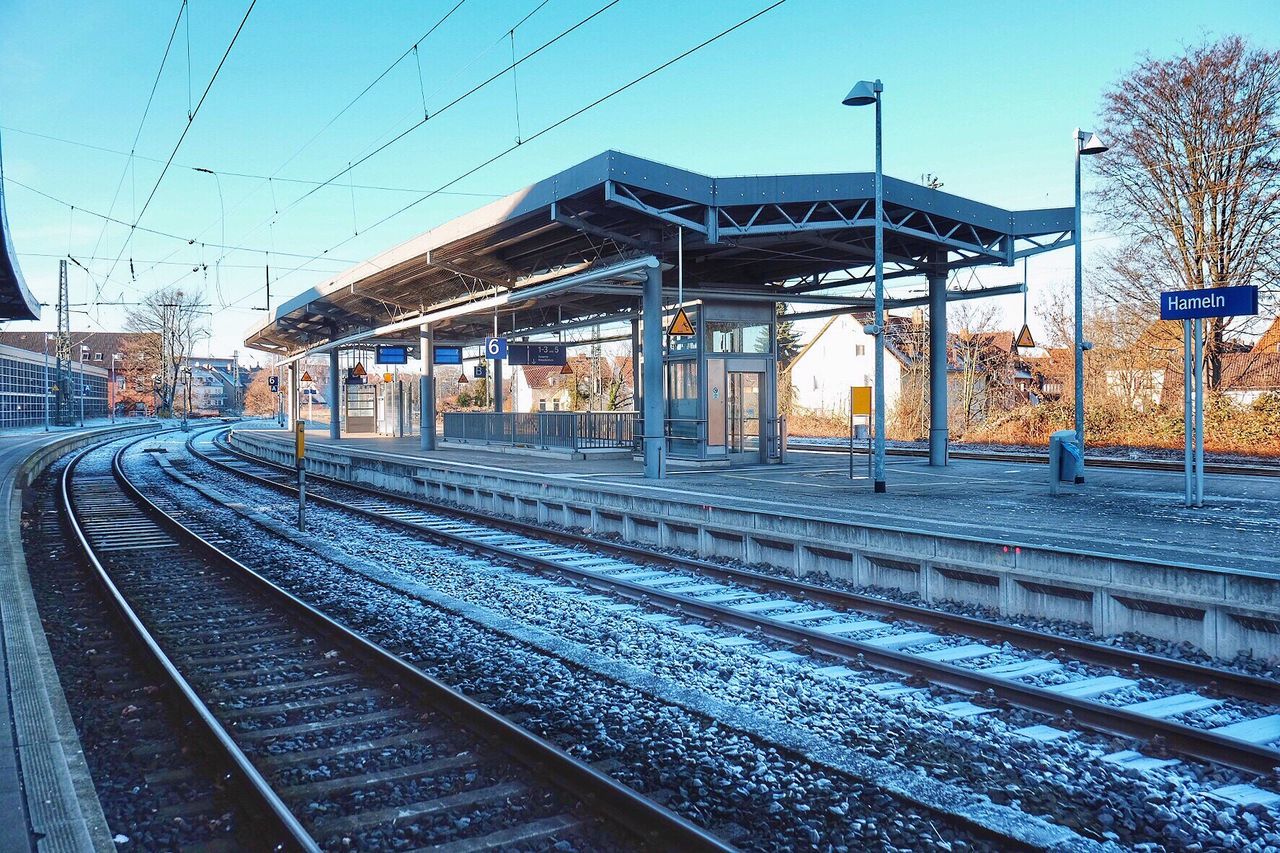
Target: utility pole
x=62 y=350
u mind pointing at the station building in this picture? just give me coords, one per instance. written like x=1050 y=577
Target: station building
x=617 y=245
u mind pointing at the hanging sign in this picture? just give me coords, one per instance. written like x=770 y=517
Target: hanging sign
x=1024 y=340
x=680 y=325
x=1238 y=301
x=358 y=370
x=545 y=355
x=446 y=355
x=306 y=376
x=392 y=354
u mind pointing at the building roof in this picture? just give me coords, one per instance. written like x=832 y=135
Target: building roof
x=103 y=342
x=784 y=237
x=16 y=301
x=1270 y=339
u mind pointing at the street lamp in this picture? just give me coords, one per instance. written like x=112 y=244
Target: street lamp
x=47 y=401
x=84 y=351
x=186 y=411
x=1087 y=143
x=111 y=386
x=862 y=94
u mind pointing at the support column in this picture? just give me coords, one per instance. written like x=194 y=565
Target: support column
x=655 y=463
x=635 y=364
x=335 y=402
x=291 y=394
x=428 y=402
x=938 y=434
x=497 y=384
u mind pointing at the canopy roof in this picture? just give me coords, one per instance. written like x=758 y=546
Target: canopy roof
x=16 y=302
x=791 y=238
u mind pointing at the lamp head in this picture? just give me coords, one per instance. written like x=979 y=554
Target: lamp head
x=1090 y=143
x=864 y=92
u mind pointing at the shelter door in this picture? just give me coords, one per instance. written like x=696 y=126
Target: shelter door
x=743 y=414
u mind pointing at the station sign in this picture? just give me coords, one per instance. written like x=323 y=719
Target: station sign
x=495 y=348
x=542 y=355
x=392 y=354
x=1237 y=301
x=273 y=382
x=446 y=355
x=480 y=370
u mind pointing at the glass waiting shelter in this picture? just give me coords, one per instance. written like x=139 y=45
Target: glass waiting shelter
x=721 y=385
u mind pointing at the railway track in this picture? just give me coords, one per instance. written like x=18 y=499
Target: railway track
x=846 y=626
x=1173 y=465
x=335 y=742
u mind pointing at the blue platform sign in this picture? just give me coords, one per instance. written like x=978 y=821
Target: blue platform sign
x=495 y=348
x=446 y=355
x=1238 y=301
x=544 y=355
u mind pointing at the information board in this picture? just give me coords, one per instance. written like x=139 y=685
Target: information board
x=1237 y=301
x=543 y=355
x=446 y=355
x=392 y=354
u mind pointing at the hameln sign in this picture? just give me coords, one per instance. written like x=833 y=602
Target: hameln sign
x=1239 y=301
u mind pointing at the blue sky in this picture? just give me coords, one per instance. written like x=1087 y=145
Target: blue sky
x=983 y=95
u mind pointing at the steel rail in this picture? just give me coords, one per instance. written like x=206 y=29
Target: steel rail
x=656 y=825
x=1235 y=469
x=1163 y=733
x=280 y=824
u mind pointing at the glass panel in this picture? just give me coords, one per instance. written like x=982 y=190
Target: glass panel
x=734 y=336
x=682 y=402
x=744 y=412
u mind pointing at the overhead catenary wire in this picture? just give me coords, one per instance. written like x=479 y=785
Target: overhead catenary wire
x=185 y=130
x=547 y=129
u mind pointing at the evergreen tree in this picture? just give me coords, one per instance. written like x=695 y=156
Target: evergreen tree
x=788 y=340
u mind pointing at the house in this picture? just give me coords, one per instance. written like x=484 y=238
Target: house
x=1247 y=373
x=543 y=389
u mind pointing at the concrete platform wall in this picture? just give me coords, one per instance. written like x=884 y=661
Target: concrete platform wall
x=1223 y=613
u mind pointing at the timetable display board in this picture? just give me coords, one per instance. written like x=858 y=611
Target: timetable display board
x=446 y=355
x=392 y=354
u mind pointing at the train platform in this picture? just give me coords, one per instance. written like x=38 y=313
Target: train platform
x=46 y=793
x=1118 y=512
x=1119 y=553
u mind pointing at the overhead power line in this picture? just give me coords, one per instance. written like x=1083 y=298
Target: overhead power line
x=190 y=241
x=547 y=129
x=191 y=117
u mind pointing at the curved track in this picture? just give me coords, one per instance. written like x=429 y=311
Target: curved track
x=842 y=625
x=335 y=741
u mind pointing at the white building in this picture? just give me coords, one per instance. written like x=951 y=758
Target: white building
x=843 y=357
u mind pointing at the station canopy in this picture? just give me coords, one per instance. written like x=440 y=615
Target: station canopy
x=16 y=302
x=543 y=259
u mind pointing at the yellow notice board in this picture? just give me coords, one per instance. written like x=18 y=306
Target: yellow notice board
x=860 y=399
x=300 y=440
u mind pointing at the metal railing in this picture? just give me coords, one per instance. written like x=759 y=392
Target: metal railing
x=542 y=430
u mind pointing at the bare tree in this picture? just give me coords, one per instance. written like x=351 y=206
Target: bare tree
x=1193 y=177
x=172 y=319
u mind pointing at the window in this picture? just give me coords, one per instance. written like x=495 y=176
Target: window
x=736 y=336
x=860 y=349
x=97 y=356
x=542 y=405
x=555 y=405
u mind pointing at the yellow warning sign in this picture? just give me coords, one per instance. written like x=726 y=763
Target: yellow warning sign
x=1025 y=341
x=386 y=377
x=860 y=399
x=681 y=325
x=358 y=370
x=306 y=376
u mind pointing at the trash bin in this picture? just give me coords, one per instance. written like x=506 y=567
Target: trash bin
x=861 y=432
x=1066 y=465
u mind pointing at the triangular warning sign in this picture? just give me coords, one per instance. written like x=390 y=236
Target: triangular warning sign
x=306 y=376
x=1025 y=341
x=358 y=370
x=681 y=325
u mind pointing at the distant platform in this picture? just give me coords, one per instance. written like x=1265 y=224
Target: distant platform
x=1119 y=513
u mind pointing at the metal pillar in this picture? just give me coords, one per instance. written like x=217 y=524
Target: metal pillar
x=497 y=385
x=1079 y=321
x=879 y=360
x=335 y=408
x=428 y=389
x=635 y=364
x=655 y=463
x=291 y=396
x=938 y=434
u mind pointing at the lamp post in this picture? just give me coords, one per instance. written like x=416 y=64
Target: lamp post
x=47 y=400
x=186 y=411
x=863 y=93
x=1086 y=144
x=84 y=350
x=111 y=385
